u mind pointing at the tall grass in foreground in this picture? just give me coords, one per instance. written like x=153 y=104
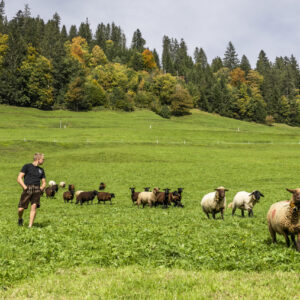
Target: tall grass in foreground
x=198 y=152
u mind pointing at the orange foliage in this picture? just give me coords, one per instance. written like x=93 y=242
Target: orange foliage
x=148 y=59
x=79 y=49
x=237 y=76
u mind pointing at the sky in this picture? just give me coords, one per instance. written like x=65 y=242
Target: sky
x=251 y=25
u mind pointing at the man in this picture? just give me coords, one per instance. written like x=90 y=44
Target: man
x=33 y=175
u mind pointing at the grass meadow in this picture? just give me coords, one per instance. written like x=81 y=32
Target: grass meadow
x=121 y=252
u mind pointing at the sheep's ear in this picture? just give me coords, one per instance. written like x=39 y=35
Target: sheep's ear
x=261 y=194
x=251 y=194
x=291 y=190
x=226 y=190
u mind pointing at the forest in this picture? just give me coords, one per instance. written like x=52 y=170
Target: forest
x=43 y=65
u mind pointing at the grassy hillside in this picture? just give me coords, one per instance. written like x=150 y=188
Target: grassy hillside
x=198 y=152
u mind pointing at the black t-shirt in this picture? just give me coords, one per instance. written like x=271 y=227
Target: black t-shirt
x=33 y=174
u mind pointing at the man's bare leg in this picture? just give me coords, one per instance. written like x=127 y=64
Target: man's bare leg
x=32 y=214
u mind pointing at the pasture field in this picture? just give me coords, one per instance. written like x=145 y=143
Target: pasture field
x=120 y=251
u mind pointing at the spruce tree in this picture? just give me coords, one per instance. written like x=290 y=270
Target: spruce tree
x=230 y=59
x=245 y=64
x=138 y=42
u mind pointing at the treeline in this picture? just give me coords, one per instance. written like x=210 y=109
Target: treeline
x=45 y=66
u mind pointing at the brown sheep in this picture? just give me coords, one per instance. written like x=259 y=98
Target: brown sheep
x=50 y=191
x=105 y=197
x=102 y=186
x=86 y=197
x=134 y=195
x=69 y=195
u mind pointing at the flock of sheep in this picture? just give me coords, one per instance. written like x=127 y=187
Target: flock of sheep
x=283 y=217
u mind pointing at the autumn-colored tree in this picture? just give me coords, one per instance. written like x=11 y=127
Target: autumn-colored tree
x=79 y=50
x=110 y=76
x=94 y=92
x=164 y=87
x=237 y=77
x=36 y=77
x=3 y=46
x=149 y=60
x=181 y=101
x=75 y=96
x=254 y=79
x=98 y=57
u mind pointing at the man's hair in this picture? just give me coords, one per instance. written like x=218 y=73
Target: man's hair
x=38 y=156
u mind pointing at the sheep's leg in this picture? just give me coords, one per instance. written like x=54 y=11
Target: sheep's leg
x=250 y=213
x=233 y=210
x=298 y=243
x=222 y=213
x=213 y=214
x=207 y=215
x=110 y=202
x=285 y=234
x=243 y=215
x=294 y=240
x=273 y=234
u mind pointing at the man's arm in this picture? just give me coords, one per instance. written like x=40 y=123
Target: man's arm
x=43 y=184
x=20 y=180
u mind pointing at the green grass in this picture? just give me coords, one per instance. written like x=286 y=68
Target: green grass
x=198 y=152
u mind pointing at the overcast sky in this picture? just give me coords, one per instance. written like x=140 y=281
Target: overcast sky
x=251 y=25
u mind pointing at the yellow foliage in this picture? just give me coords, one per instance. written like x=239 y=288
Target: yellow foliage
x=148 y=59
x=78 y=49
x=3 y=46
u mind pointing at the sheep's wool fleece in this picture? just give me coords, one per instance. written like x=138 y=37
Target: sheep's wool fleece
x=244 y=200
x=211 y=202
x=281 y=216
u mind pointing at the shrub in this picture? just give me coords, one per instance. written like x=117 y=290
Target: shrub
x=269 y=120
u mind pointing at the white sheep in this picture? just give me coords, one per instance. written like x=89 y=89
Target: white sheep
x=214 y=202
x=62 y=184
x=147 y=198
x=245 y=201
x=284 y=218
x=52 y=182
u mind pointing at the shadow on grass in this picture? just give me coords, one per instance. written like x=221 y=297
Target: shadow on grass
x=42 y=224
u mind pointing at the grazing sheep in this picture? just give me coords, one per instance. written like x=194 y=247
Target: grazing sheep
x=214 y=202
x=52 y=182
x=69 y=195
x=86 y=197
x=175 y=198
x=50 y=191
x=105 y=197
x=163 y=198
x=78 y=193
x=62 y=184
x=102 y=186
x=284 y=218
x=134 y=195
x=147 y=198
x=245 y=201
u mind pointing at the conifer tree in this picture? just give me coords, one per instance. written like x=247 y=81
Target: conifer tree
x=230 y=59
x=216 y=64
x=138 y=42
x=245 y=64
x=72 y=32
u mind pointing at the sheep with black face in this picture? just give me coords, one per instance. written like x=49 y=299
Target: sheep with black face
x=245 y=201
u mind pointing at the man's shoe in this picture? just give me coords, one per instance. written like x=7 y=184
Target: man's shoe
x=20 y=222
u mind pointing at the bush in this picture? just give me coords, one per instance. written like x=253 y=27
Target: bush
x=269 y=120
x=165 y=112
